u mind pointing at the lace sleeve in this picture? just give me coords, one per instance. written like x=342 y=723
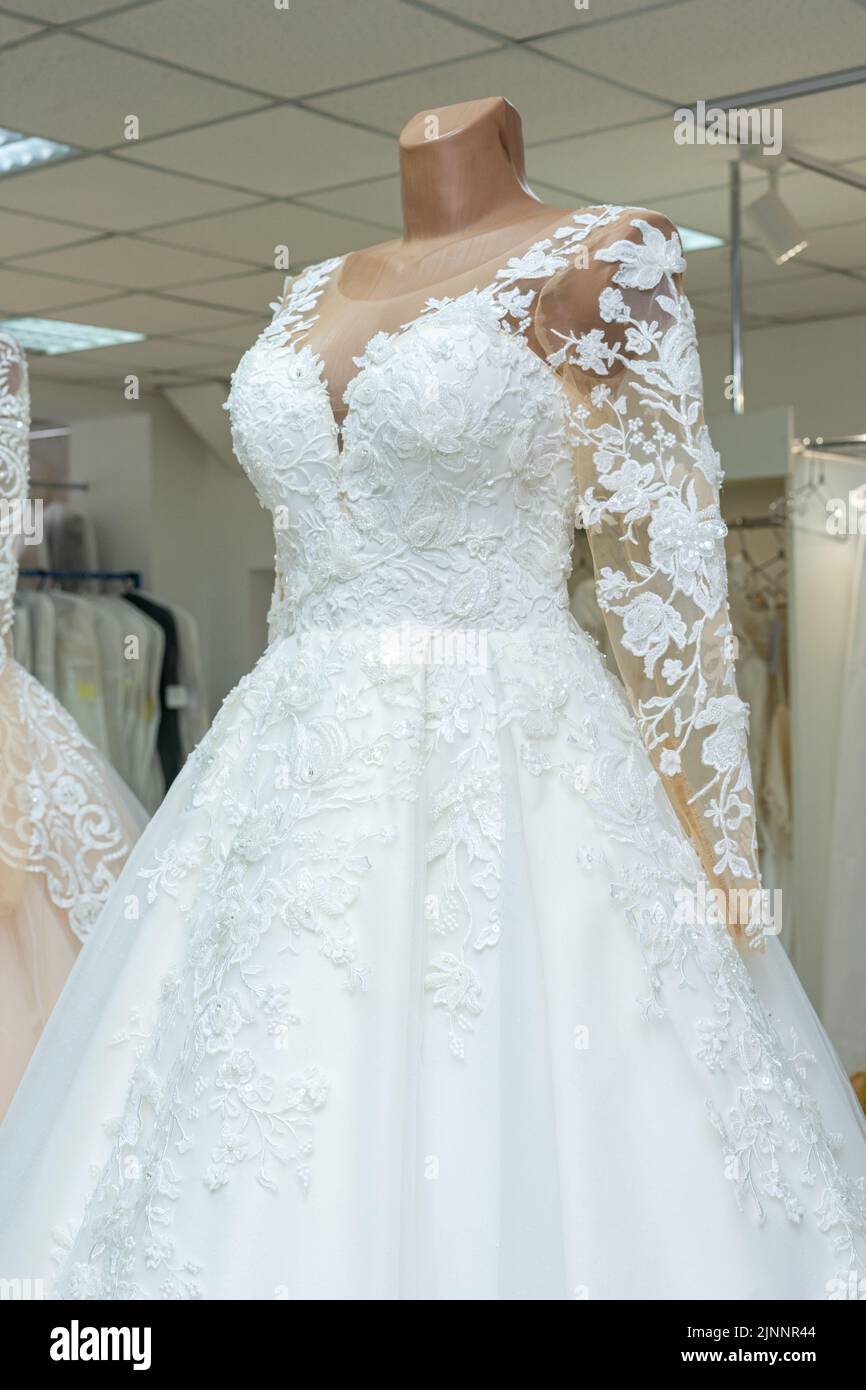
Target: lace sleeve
x=649 y=483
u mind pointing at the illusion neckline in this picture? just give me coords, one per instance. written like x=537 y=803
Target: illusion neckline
x=324 y=273
x=491 y=267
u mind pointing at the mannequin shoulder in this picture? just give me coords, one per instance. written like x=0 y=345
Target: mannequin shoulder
x=638 y=246
x=630 y=253
x=635 y=224
x=653 y=236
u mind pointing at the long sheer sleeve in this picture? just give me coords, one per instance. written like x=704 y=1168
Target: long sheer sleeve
x=649 y=483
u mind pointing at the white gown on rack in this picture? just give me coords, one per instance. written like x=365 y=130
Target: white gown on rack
x=396 y=997
x=67 y=822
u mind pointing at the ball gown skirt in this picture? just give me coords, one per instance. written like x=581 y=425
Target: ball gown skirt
x=361 y=1024
x=399 y=995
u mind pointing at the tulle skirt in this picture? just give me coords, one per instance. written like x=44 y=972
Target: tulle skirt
x=396 y=999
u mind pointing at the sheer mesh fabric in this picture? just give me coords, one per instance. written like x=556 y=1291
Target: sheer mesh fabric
x=649 y=482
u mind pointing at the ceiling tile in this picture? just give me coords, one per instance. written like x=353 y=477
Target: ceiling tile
x=156 y=353
x=62 y=11
x=551 y=193
x=843 y=246
x=706 y=211
x=77 y=368
x=222 y=369
x=281 y=151
x=831 y=125
x=704 y=49
x=12 y=29
x=20 y=234
x=290 y=52
x=68 y=368
x=151 y=314
x=632 y=165
x=253 y=292
x=518 y=20
x=194 y=226
x=551 y=99
x=375 y=200
x=112 y=194
x=24 y=293
x=710 y=270
x=256 y=232
x=816 y=201
x=162 y=354
x=806 y=298
x=67 y=88
x=128 y=263
x=238 y=337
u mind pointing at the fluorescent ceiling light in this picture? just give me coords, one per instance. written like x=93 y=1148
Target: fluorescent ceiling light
x=19 y=151
x=698 y=241
x=54 y=335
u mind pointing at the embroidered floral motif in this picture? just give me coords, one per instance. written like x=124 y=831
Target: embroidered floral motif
x=450 y=506
x=657 y=481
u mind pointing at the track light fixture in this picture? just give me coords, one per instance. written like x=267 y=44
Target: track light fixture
x=774 y=225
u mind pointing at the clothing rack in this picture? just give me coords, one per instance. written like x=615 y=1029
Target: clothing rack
x=132 y=577
x=844 y=441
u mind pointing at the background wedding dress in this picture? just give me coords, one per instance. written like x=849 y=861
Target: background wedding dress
x=67 y=822
x=396 y=997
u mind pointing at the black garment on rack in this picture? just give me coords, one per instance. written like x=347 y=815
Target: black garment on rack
x=168 y=735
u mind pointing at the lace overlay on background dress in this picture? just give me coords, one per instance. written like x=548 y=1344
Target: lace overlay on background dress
x=56 y=815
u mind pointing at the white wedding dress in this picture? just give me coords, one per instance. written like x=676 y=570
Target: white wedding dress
x=67 y=822
x=396 y=998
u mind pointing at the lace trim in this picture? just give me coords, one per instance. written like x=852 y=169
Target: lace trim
x=14 y=471
x=56 y=817
x=293 y=317
x=673 y=609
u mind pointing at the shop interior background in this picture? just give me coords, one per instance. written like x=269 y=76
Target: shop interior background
x=207 y=146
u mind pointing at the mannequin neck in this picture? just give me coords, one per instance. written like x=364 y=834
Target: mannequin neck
x=461 y=170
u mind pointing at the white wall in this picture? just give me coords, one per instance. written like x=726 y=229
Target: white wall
x=112 y=454
x=817 y=368
x=211 y=537
x=823 y=572
x=163 y=503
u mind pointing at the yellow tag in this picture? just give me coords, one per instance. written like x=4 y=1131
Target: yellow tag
x=86 y=690
x=148 y=709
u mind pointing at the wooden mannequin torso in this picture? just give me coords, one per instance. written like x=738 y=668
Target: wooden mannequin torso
x=467 y=210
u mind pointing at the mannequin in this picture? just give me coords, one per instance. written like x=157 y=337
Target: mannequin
x=467 y=209
x=465 y=200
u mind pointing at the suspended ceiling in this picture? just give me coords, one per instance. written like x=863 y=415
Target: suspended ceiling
x=262 y=126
